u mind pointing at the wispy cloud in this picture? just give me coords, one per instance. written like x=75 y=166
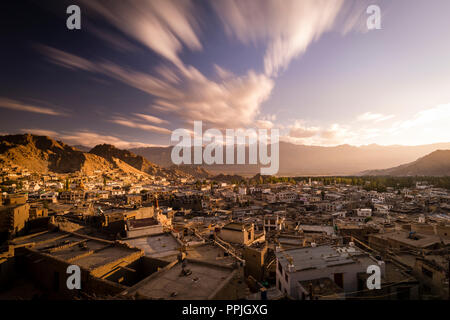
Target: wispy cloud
x=151 y=119
x=41 y=132
x=161 y=25
x=375 y=117
x=287 y=27
x=335 y=134
x=231 y=102
x=132 y=123
x=424 y=127
x=87 y=138
x=22 y=106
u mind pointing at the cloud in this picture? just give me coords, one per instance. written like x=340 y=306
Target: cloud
x=41 y=132
x=375 y=117
x=113 y=40
x=88 y=138
x=426 y=126
x=287 y=27
x=150 y=118
x=264 y=124
x=132 y=123
x=231 y=102
x=300 y=130
x=161 y=25
x=91 y=139
x=335 y=134
x=21 y=106
x=182 y=91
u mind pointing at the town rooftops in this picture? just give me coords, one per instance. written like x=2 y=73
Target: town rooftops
x=162 y=246
x=421 y=240
x=139 y=223
x=87 y=252
x=204 y=282
x=236 y=226
x=318 y=257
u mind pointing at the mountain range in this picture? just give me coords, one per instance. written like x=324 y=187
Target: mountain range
x=436 y=163
x=42 y=154
x=298 y=160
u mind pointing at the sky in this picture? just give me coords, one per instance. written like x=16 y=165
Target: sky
x=138 y=70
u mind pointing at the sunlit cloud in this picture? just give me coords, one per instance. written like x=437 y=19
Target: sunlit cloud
x=287 y=27
x=22 y=106
x=88 y=138
x=151 y=119
x=161 y=25
x=375 y=117
x=232 y=102
x=132 y=123
x=41 y=132
x=426 y=126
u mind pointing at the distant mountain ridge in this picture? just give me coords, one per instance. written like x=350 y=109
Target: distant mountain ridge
x=436 y=163
x=297 y=160
x=42 y=154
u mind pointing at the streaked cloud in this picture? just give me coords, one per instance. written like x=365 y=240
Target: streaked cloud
x=232 y=102
x=286 y=27
x=164 y=26
x=88 y=138
x=300 y=130
x=375 y=117
x=22 y=106
x=132 y=123
x=41 y=132
x=151 y=119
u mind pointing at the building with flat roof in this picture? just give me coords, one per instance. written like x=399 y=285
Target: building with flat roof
x=341 y=264
x=202 y=281
x=107 y=267
x=235 y=232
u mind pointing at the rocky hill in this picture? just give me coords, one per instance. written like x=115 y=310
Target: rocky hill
x=436 y=163
x=42 y=154
x=113 y=154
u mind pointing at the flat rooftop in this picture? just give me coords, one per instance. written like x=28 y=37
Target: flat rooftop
x=210 y=253
x=156 y=246
x=423 y=241
x=86 y=252
x=318 y=257
x=204 y=280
